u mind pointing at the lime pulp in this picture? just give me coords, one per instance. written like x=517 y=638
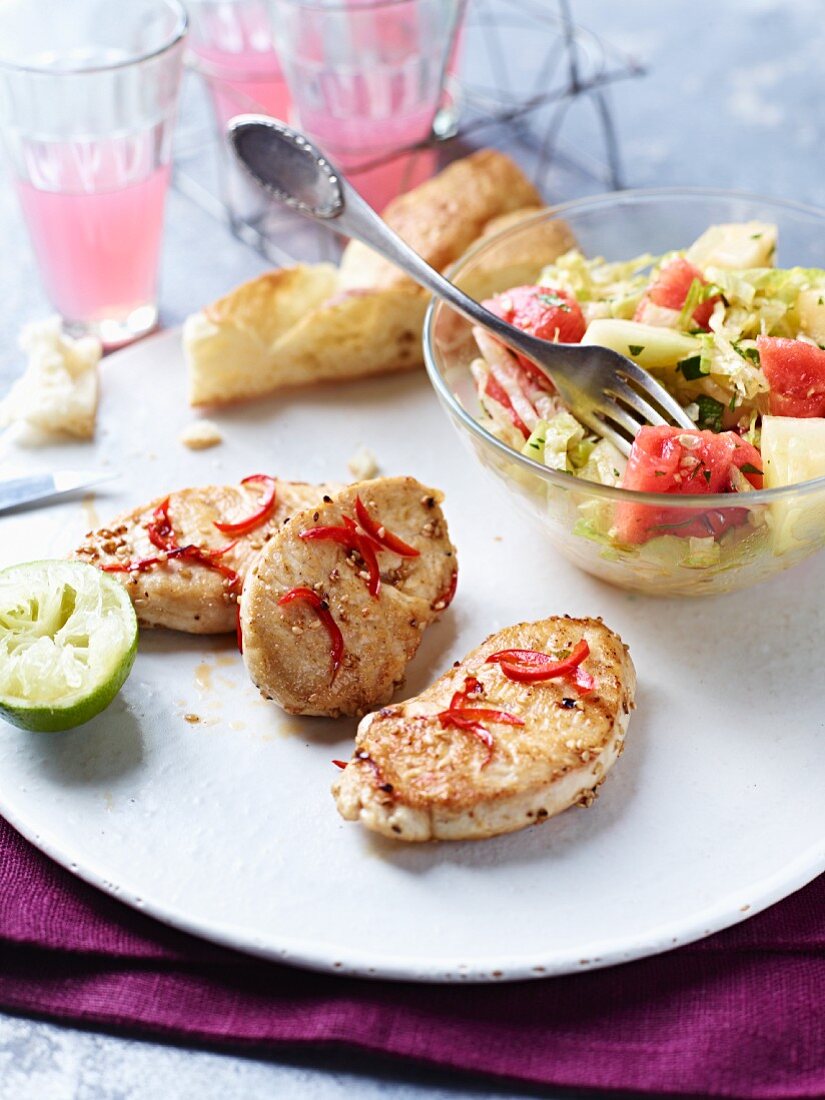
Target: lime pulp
x=68 y=639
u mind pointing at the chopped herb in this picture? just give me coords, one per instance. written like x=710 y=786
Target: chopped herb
x=820 y=302
x=658 y=473
x=756 y=236
x=550 y=299
x=616 y=473
x=749 y=468
x=635 y=349
x=732 y=403
x=706 y=474
x=710 y=413
x=691 y=367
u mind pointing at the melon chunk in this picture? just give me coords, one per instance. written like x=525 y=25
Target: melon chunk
x=793 y=451
x=651 y=346
x=811 y=307
x=735 y=245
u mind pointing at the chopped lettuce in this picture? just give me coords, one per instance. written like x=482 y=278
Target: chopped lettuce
x=605 y=464
x=562 y=443
x=733 y=367
x=552 y=441
x=615 y=287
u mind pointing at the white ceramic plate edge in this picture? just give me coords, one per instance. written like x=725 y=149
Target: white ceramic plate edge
x=307 y=955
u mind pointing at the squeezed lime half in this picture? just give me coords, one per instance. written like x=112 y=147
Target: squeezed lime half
x=68 y=639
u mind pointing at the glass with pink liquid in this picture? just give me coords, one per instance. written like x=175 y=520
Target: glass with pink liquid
x=88 y=92
x=231 y=45
x=367 y=78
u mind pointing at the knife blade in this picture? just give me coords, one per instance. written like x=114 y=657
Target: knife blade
x=16 y=491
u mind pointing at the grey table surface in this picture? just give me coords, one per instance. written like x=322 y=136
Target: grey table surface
x=731 y=99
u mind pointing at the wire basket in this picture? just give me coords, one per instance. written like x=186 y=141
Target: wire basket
x=525 y=69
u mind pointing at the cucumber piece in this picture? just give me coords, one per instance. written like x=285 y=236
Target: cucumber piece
x=651 y=346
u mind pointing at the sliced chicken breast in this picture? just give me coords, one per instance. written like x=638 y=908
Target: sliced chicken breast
x=426 y=769
x=337 y=647
x=183 y=593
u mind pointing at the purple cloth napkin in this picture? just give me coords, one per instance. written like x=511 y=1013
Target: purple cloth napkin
x=741 y=1014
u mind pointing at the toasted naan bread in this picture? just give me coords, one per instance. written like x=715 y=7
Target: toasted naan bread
x=316 y=323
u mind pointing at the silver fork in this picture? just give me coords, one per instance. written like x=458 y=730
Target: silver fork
x=606 y=391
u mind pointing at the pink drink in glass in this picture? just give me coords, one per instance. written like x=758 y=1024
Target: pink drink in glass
x=249 y=80
x=88 y=93
x=98 y=251
x=367 y=80
x=366 y=150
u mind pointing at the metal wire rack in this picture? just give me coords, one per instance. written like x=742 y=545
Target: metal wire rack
x=527 y=65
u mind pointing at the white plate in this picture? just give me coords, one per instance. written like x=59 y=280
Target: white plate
x=227 y=829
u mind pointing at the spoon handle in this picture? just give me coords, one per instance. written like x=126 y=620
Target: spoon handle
x=357 y=219
x=295 y=172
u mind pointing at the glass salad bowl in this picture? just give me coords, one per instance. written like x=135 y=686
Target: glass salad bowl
x=709 y=544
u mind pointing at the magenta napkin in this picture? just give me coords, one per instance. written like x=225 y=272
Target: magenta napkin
x=741 y=1014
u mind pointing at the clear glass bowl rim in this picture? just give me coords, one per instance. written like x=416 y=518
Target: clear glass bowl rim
x=338 y=6
x=569 y=481
x=177 y=33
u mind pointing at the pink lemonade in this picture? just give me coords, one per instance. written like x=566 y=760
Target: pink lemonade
x=98 y=251
x=248 y=79
x=371 y=119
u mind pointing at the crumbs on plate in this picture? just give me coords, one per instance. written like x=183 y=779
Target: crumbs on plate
x=363 y=464
x=201 y=434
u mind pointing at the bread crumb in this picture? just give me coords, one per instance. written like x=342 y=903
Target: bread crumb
x=58 y=393
x=200 y=434
x=363 y=464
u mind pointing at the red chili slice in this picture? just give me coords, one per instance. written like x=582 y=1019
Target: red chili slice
x=265 y=509
x=494 y=389
x=160 y=531
x=364 y=545
x=527 y=665
x=330 y=533
x=469 y=718
x=444 y=600
x=378 y=533
x=350 y=537
x=139 y=566
x=238 y=631
x=340 y=764
x=449 y=718
x=162 y=535
x=321 y=609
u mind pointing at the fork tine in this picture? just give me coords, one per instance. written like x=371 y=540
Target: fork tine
x=652 y=389
x=628 y=396
x=596 y=422
x=617 y=414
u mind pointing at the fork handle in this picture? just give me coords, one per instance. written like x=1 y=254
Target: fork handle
x=357 y=219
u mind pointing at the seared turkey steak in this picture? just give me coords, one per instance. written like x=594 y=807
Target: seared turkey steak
x=334 y=609
x=194 y=593
x=492 y=746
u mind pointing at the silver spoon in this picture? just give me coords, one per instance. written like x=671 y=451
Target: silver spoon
x=608 y=392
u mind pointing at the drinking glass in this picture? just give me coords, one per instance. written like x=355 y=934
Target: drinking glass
x=231 y=41
x=88 y=94
x=231 y=46
x=366 y=79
